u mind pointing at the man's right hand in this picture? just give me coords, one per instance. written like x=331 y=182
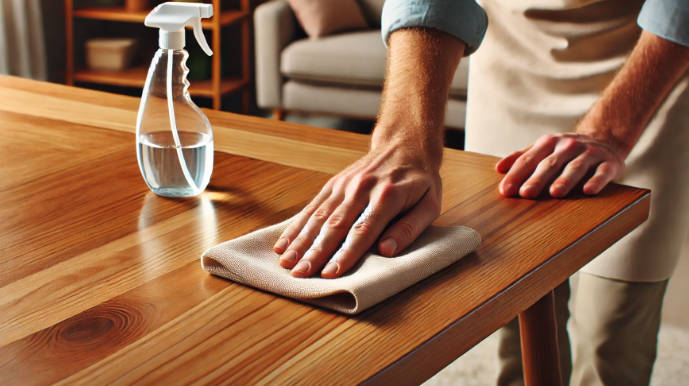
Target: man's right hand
x=391 y=195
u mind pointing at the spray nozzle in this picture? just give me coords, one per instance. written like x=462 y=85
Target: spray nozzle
x=171 y=18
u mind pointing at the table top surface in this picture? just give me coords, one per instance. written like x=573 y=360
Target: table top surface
x=100 y=278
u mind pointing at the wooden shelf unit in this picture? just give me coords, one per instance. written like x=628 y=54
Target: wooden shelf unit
x=136 y=76
x=214 y=88
x=120 y=14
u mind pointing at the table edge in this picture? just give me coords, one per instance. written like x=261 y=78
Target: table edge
x=407 y=369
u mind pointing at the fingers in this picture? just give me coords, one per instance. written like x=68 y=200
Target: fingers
x=605 y=172
x=549 y=167
x=571 y=156
x=300 y=220
x=326 y=229
x=504 y=165
x=572 y=174
x=360 y=238
x=355 y=207
x=525 y=164
x=408 y=228
x=329 y=238
x=303 y=241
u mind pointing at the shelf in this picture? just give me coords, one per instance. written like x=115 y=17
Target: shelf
x=136 y=77
x=120 y=14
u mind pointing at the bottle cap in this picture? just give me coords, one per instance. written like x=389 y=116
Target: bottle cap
x=171 y=18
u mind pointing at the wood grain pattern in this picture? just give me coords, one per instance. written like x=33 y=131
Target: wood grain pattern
x=103 y=255
x=101 y=281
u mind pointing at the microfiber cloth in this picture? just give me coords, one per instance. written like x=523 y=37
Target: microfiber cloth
x=250 y=260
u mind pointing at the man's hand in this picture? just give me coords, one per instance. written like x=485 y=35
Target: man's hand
x=393 y=193
x=392 y=185
x=606 y=134
x=558 y=163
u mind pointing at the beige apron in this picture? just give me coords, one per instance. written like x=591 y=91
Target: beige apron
x=541 y=66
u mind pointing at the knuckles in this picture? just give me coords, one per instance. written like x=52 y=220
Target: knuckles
x=387 y=192
x=550 y=162
x=607 y=168
x=569 y=143
x=361 y=227
x=592 y=150
x=310 y=208
x=547 y=140
x=405 y=231
x=524 y=160
x=576 y=164
x=336 y=222
x=363 y=182
x=321 y=214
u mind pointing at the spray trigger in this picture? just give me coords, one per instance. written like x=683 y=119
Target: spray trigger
x=200 y=38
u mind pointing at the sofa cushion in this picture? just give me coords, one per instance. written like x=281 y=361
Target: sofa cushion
x=356 y=58
x=350 y=59
x=323 y=17
x=351 y=102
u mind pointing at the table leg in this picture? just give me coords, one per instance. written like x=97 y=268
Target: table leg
x=540 y=355
x=279 y=114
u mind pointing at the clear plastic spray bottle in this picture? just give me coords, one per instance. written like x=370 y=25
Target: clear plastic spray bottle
x=174 y=139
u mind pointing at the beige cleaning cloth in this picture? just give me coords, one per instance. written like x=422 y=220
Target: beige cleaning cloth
x=250 y=260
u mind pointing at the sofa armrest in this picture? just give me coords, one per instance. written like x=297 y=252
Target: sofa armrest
x=274 y=28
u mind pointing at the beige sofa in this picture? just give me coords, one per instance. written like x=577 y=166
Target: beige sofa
x=340 y=74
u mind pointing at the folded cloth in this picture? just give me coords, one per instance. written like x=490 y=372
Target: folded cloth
x=250 y=260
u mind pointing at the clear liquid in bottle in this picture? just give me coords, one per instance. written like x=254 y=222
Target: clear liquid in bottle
x=161 y=167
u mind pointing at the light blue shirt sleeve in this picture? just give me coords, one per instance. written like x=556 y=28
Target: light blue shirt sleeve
x=668 y=19
x=461 y=18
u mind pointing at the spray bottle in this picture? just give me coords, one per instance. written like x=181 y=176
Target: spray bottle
x=174 y=139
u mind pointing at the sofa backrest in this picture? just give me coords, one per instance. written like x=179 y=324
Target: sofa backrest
x=372 y=10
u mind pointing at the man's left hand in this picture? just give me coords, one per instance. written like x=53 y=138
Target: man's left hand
x=558 y=163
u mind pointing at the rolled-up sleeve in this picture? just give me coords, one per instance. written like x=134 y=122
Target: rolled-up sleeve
x=668 y=19
x=464 y=19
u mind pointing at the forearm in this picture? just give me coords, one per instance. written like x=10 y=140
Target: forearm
x=627 y=105
x=393 y=193
x=420 y=67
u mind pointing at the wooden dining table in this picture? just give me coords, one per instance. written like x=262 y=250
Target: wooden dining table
x=100 y=280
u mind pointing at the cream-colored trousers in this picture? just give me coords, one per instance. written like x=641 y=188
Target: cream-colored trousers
x=614 y=329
